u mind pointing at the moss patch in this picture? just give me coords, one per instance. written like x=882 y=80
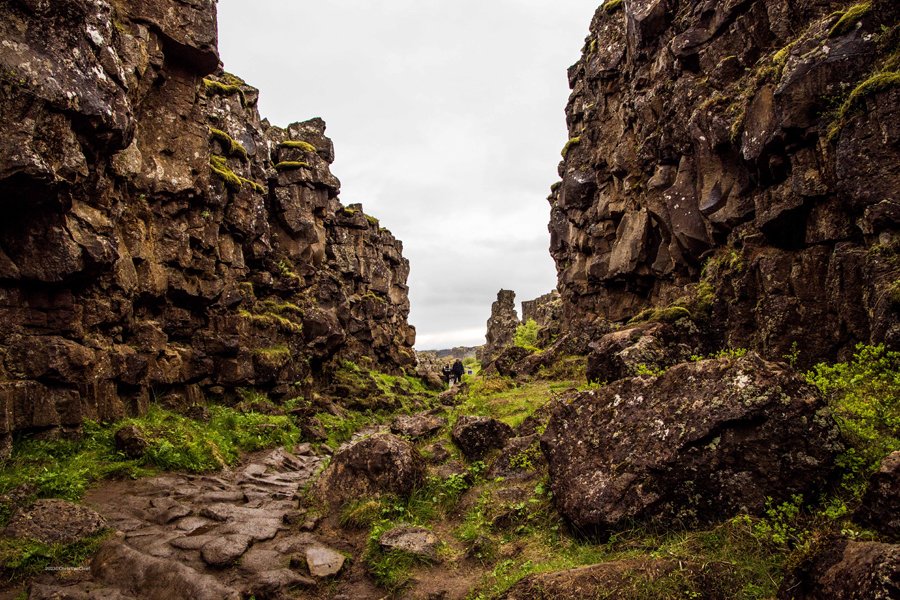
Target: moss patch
x=231 y=146
x=299 y=145
x=876 y=83
x=290 y=165
x=569 y=145
x=219 y=166
x=849 y=18
x=610 y=6
x=217 y=88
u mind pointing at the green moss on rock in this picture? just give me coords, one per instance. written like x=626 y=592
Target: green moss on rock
x=290 y=165
x=298 y=144
x=849 y=18
x=232 y=146
x=610 y=6
x=219 y=166
x=217 y=88
x=569 y=145
x=876 y=83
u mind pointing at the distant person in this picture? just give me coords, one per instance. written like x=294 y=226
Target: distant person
x=446 y=373
x=457 y=371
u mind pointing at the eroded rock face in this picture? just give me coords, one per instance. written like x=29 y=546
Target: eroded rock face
x=158 y=233
x=377 y=465
x=701 y=129
x=704 y=441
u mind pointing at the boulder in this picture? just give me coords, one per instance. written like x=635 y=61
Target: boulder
x=324 y=562
x=704 y=441
x=509 y=362
x=476 y=436
x=226 y=550
x=131 y=441
x=55 y=522
x=373 y=466
x=880 y=508
x=417 y=541
x=845 y=570
x=417 y=426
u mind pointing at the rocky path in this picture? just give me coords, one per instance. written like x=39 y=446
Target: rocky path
x=234 y=534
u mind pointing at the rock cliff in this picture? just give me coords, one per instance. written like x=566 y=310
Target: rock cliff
x=160 y=239
x=737 y=159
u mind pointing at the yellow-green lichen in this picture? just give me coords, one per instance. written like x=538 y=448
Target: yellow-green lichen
x=849 y=18
x=290 y=165
x=875 y=83
x=569 y=145
x=217 y=88
x=232 y=146
x=219 y=167
x=372 y=220
x=298 y=144
x=611 y=6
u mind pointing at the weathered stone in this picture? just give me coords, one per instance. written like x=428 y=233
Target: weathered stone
x=847 y=570
x=417 y=426
x=417 y=541
x=510 y=360
x=880 y=508
x=131 y=442
x=476 y=436
x=324 y=562
x=646 y=347
x=375 y=465
x=55 y=522
x=226 y=550
x=701 y=442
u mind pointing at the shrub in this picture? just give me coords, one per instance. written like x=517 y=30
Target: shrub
x=526 y=335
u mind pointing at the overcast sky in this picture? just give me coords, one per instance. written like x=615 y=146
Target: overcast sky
x=447 y=119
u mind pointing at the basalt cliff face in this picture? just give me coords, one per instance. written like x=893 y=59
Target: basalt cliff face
x=159 y=239
x=737 y=159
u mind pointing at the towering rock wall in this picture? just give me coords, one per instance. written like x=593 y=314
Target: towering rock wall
x=501 y=326
x=741 y=158
x=160 y=239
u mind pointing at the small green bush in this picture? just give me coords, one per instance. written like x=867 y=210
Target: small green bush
x=527 y=335
x=864 y=394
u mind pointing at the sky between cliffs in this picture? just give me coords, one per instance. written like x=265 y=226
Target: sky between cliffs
x=447 y=119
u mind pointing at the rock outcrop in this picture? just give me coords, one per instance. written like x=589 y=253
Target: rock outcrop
x=381 y=464
x=701 y=442
x=880 y=507
x=739 y=158
x=158 y=234
x=501 y=326
x=546 y=311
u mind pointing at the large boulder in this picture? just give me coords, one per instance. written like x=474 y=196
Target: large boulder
x=476 y=436
x=880 y=508
x=510 y=361
x=417 y=426
x=846 y=570
x=704 y=441
x=373 y=466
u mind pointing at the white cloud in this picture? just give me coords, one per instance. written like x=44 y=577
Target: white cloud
x=447 y=119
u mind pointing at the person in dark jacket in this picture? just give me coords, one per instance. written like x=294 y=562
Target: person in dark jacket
x=446 y=372
x=457 y=371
